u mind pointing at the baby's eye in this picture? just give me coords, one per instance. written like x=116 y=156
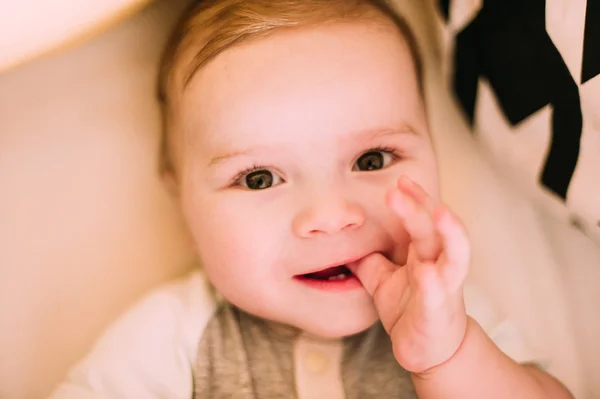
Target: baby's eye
x=373 y=160
x=260 y=179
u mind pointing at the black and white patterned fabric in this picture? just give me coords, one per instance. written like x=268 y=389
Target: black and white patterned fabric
x=527 y=75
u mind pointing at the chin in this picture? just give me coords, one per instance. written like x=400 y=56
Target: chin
x=339 y=327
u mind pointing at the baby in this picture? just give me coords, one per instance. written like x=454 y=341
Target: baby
x=297 y=142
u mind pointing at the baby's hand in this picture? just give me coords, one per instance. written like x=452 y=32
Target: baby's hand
x=421 y=304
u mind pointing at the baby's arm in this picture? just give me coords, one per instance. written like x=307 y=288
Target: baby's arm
x=479 y=369
x=422 y=308
x=148 y=353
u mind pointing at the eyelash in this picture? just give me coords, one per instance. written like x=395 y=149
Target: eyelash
x=236 y=181
x=392 y=151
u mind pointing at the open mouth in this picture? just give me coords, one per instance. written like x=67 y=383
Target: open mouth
x=335 y=273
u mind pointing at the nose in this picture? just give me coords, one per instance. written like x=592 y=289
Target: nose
x=328 y=217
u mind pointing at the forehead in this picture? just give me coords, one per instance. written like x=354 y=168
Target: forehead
x=304 y=85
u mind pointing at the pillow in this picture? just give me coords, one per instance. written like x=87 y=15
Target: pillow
x=527 y=76
x=86 y=226
x=28 y=33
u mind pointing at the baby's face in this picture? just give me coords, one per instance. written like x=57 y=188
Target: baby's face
x=291 y=142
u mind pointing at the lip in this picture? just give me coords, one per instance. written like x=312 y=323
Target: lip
x=350 y=283
x=346 y=262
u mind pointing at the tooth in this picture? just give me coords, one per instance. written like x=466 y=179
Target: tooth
x=340 y=276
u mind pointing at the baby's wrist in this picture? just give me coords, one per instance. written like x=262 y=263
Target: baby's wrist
x=470 y=324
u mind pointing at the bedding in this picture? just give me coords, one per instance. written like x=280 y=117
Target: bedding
x=81 y=119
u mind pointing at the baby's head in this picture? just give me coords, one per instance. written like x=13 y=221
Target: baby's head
x=286 y=122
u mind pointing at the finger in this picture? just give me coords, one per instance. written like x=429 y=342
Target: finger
x=417 y=222
x=411 y=188
x=430 y=291
x=387 y=283
x=372 y=271
x=420 y=226
x=457 y=251
x=392 y=298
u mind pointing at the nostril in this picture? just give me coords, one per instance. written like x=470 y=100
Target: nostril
x=351 y=226
x=316 y=232
x=328 y=218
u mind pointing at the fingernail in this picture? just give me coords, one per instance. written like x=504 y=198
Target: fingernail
x=405 y=180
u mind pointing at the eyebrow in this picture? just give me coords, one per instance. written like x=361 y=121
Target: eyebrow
x=374 y=133
x=221 y=158
x=363 y=135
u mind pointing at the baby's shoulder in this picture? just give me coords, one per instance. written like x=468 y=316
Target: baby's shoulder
x=178 y=309
x=149 y=351
x=190 y=297
x=176 y=312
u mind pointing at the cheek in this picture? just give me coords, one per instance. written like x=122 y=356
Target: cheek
x=229 y=236
x=240 y=251
x=423 y=171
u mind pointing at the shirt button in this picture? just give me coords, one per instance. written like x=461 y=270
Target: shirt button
x=315 y=361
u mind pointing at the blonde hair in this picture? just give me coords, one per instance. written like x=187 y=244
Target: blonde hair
x=210 y=27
